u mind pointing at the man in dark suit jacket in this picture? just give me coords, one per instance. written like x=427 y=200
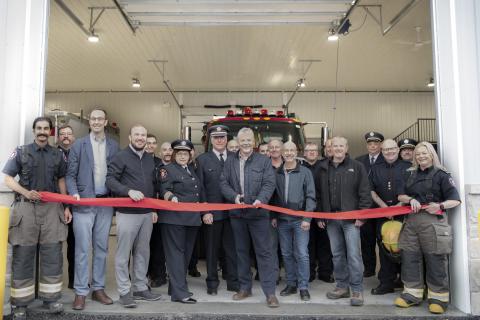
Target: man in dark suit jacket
x=248 y=177
x=86 y=175
x=368 y=230
x=218 y=230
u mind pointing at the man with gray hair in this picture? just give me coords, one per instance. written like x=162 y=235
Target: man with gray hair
x=342 y=185
x=248 y=177
x=294 y=190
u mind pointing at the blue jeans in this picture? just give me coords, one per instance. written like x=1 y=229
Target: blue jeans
x=91 y=229
x=294 y=246
x=347 y=254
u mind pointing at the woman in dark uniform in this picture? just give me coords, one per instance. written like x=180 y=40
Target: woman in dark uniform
x=426 y=235
x=179 y=183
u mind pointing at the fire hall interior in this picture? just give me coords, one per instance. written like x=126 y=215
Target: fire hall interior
x=353 y=66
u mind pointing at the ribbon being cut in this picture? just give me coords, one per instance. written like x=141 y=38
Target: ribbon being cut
x=206 y=207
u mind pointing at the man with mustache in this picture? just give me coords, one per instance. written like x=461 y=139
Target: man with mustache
x=65 y=141
x=40 y=167
x=131 y=173
x=87 y=171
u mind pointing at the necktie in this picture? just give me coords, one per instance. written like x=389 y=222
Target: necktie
x=222 y=161
x=186 y=169
x=372 y=160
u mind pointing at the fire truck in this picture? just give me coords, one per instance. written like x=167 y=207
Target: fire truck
x=266 y=125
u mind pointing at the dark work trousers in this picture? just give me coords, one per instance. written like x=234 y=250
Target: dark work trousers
x=156 y=268
x=178 y=243
x=71 y=255
x=192 y=264
x=259 y=230
x=216 y=234
x=319 y=251
x=369 y=240
x=389 y=270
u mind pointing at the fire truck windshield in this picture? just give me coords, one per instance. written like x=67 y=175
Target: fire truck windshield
x=266 y=131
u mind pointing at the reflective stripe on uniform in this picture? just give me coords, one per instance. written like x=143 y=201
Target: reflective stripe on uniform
x=417 y=293
x=22 y=292
x=440 y=296
x=50 y=288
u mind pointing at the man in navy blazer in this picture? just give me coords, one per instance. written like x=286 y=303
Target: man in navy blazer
x=86 y=176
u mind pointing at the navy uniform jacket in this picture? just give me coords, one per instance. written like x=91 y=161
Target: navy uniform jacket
x=259 y=183
x=440 y=188
x=387 y=179
x=31 y=167
x=186 y=187
x=365 y=160
x=209 y=169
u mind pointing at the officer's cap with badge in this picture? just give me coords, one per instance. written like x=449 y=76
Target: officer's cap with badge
x=407 y=143
x=374 y=136
x=218 y=130
x=182 y=144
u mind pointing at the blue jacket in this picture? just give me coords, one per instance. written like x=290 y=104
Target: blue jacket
x=79 y=176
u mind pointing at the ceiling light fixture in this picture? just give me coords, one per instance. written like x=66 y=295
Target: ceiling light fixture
x=135 y=83
x=332 y=36
x=301 y=83
x=93 y=37
x=431 y=83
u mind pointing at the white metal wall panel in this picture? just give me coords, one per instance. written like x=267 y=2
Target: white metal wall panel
x=355 y=113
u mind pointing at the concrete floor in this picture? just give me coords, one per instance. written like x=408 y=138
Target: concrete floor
x=222 y=306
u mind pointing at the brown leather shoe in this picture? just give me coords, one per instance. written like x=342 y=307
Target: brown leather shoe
x=101 y=296
x=79 y=302
x=272 y=301
x=242 y=294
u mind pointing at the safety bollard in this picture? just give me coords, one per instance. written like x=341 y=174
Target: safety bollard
x=4 y=221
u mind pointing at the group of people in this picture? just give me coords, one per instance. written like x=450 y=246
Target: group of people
x=151 y=245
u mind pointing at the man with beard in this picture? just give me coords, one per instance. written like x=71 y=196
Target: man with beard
x=248 y=177
x=368 y=230
x=406 y=149
x=65 y=142
x=166 y=153
x=87 y=171
x=218 y=230
x=131 y=173
x=386 y=180
x=318 y=244
x=33 y=224
x=157 y=271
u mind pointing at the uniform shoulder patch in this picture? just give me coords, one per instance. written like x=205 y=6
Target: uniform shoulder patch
x=163 y=173
x=13 y=154
x=451 y=182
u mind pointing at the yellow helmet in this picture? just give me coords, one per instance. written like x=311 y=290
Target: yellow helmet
x=390 y=232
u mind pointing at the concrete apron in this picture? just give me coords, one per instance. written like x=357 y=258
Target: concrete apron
x=222 y=306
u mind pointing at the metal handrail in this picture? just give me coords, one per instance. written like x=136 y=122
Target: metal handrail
x=424 y=129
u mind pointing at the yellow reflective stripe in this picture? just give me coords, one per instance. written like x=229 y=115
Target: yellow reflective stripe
x=50 y=288
x=440 y=296
x=22 y=292
x=417 y=293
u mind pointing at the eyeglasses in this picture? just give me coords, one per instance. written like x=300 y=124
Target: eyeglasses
x=310 y=150
x=389 y=149
x=64 y=134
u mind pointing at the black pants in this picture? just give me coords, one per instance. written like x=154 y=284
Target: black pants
x=319 y=251
x=71 y=255
x=178 y=242
x=217 y=234
x=389 y=270
x=156 y=267
x=368 y=238
x=259 y=230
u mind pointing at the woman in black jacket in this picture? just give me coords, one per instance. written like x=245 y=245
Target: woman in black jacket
x=179 y=229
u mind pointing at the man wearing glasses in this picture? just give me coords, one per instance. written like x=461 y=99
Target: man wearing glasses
x=86 y=177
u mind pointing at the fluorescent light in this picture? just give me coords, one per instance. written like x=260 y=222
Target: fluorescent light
x=301 y=83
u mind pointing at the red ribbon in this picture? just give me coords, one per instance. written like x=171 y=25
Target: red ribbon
x=206 y=207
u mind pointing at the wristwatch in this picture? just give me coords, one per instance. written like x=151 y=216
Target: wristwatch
x=442 y=207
